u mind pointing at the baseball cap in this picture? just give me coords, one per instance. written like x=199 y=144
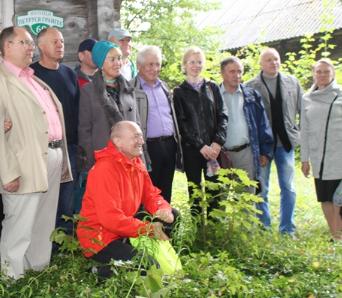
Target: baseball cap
x=87 y=45
x=119 y=33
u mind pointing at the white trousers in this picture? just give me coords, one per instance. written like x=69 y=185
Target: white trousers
x=29 y=221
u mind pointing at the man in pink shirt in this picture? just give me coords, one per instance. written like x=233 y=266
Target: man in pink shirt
x=33 y=156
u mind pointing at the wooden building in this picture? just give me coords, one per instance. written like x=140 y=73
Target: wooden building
x=276 y=23
x=81 y=18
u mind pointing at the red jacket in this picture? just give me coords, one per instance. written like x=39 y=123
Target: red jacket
x=116 y=187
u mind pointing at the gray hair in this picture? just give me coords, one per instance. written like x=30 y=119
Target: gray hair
x=149 y=50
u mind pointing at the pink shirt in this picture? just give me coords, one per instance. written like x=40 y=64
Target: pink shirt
x=42 y=96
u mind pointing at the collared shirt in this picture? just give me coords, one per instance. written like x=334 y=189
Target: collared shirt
x=237 y=131
x=42 y=96
x=159 y=118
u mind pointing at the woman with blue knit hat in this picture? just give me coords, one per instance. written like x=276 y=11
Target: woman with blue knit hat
x=107 y=99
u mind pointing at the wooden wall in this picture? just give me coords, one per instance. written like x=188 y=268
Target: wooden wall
x=82 y=19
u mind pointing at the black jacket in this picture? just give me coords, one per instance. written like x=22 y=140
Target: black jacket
x=202 y=116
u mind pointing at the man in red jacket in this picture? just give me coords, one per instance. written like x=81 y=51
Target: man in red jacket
x=117 y=185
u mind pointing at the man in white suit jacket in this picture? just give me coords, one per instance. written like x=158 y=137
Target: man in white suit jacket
x=33 y=158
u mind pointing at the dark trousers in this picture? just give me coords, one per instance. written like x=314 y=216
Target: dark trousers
x=194 y=165
x=66 y=194
x=121 y=249
x=162 y=152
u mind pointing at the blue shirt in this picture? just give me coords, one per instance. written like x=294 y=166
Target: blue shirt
x=159 y=118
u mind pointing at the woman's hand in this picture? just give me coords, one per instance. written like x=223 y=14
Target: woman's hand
x=206 y=152
x=306 y=168
x=215 y=150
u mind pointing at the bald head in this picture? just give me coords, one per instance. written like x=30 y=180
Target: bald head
x=270 y=62
x=128 y=138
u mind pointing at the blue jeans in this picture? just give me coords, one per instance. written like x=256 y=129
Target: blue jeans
x=285 y=164
x=66 y=195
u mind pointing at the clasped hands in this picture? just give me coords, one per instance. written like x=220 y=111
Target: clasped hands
x=164 y=215
x=211 y=152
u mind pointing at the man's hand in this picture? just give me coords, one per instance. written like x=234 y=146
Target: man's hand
x=7 y=125
x=158 y=231
x=306 y=168
x=13 y=186
x=263 y=160
x=165 y=215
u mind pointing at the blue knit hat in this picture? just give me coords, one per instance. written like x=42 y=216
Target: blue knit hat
x=100 y=51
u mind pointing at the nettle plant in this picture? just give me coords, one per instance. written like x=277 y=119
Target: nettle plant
x=235 y=219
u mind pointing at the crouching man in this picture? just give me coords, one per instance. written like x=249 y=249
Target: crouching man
x=117 y=184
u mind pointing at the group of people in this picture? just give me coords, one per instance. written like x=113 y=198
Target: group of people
x=130 y=133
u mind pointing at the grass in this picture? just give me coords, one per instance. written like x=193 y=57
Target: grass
x=236 y=259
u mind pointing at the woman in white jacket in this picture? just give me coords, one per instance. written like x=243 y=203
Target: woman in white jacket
x=321 y=140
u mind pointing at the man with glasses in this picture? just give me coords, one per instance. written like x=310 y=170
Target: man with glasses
x=33 y=158
x=63 y=81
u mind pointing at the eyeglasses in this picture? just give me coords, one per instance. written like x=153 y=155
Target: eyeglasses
x=26 y=43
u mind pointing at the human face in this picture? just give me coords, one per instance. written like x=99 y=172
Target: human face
x=131 y=141
x=51 y=45
x=323 y=75
x=194 y=65
x=150 y=69
x=19 y=50
x=270 y=62
x=126 y=46
x=112 y=64
x=232 y=74
x=86 y=59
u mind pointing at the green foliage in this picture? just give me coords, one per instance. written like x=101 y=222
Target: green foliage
x=169 y=24
x=238 y=259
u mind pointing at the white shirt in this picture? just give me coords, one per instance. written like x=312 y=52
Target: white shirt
x=237 y=131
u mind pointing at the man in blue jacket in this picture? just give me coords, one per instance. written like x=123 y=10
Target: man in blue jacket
x=249 y=136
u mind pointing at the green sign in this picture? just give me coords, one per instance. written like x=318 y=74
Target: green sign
x=37 y=20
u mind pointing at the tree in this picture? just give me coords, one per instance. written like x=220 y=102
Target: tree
x=170 y=25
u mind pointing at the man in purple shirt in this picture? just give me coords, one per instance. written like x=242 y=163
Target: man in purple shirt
x=158 y=114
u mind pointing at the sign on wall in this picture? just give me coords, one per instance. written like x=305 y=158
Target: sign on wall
x=37 y=20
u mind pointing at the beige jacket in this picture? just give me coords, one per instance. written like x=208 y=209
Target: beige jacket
x=23 y=149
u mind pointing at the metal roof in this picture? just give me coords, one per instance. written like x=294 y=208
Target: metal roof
x=246 y=22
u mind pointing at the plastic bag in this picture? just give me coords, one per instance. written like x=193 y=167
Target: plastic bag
x=337 y=198
x=162 y=251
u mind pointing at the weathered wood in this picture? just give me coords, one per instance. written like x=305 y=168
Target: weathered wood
x=82 y=19
x=75 y=15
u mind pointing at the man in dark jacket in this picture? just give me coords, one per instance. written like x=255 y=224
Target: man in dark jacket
x=63 y=81
x=249 y=136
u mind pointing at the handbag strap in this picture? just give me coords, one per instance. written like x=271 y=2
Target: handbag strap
x=325 y=137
